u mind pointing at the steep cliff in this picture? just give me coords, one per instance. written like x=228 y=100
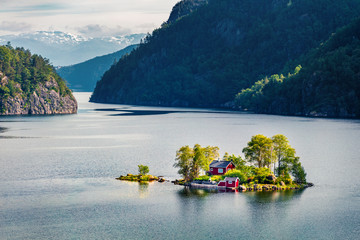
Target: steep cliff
x=29 y=85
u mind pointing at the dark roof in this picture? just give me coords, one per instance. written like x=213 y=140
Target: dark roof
x=219 y=164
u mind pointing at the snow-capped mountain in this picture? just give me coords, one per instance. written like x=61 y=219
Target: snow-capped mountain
x=63 y=49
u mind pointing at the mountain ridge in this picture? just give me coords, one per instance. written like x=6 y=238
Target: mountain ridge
x=204 y=58
x=82 y=77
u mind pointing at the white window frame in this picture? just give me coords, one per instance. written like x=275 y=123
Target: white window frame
x=220 y=170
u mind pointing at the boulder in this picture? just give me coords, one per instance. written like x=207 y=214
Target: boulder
x=271 y=178
x=242 y=188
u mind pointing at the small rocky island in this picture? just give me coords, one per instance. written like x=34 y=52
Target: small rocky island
x=30 y=85
x=142 y=177
x=269 y=164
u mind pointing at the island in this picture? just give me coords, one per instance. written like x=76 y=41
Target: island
x=29 y=85
x=269 y=164
x=142 y=177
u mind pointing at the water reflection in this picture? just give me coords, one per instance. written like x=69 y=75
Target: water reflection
x=193 y=192
x=143 y=189
x=273 y=196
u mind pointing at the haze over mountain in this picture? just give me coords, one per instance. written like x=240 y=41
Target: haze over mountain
x=82 y=77
x=63 y=49
x=209 y=54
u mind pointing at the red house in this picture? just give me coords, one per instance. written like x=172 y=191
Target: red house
x=229 y=182
x=221 y=167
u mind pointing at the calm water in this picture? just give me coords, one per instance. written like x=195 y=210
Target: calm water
x=57 y=176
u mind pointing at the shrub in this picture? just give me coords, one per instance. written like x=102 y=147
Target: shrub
x=202 y=178
x=217 y=178
x=260 y=175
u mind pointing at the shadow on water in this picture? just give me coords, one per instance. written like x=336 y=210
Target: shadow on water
x=124 y=112
x=273 y=196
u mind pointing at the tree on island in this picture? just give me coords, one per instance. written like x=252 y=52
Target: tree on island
x=259 y=151
x=283 y=151
x=191 y=161
x=264 y=151
x=143 y=170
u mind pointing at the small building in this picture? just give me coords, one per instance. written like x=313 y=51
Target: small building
x=220 y=167
x=229 y=182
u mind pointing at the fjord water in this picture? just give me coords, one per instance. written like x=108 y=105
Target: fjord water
x=57 y=176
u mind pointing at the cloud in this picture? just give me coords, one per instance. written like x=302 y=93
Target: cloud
x=96 y=30
x=15 y=26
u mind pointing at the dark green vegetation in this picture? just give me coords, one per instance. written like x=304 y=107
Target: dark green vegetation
x=82 y=77
x=208 y=56
x=327 y=84
x=30 y=85
x=261 y=155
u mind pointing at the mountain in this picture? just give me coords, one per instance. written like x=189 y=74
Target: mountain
x=30 y=85
x=66 y=49
x=203 y=59
x=82 y=77
x=183 y=8
x=327 y=84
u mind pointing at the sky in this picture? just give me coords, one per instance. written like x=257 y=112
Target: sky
x=90 y=18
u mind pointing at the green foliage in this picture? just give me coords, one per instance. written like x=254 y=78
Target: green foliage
x=328 y=84
x=237 y=173
x=240 y=164
x=27 y=70
x=202 y=178
x=143 y=170
x=259 y=151
x=283 y=151
x=217 y=178
x=191 y=160
x=205 y=58
x=298 y=172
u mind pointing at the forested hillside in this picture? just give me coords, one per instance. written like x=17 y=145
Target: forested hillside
x=82 y=77
x=327 y=84
x=206 y=57
x=30 y=85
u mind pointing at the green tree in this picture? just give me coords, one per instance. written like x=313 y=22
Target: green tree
x=191 y=161
x=298 y=171
x=259 y=151
x=143 y=170
x=184 y=158
x=240 y=164
x=282 y=150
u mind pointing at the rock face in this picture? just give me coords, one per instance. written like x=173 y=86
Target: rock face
x=46 y=99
